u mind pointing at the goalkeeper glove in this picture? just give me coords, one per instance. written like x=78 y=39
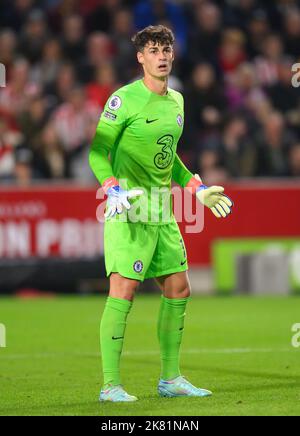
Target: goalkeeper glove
x=118 y=200
x=213 y=198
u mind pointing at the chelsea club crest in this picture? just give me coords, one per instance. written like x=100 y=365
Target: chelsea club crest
x=138 y=266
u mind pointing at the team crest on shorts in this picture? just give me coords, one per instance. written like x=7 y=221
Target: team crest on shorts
x=115 y=103
x=179 y=120
x=138 y=266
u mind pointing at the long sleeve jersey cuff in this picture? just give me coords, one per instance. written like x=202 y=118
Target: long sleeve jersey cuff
x=109 y=183
x=193 y=185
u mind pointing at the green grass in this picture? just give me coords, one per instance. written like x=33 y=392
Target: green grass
x=240 y=348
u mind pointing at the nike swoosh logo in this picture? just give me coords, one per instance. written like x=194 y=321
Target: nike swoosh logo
x=182 y=263
x=118 y=337
x=151 y=121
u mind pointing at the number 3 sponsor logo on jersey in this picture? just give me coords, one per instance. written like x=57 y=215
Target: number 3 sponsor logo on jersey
x=163 y=159
x=115 y=103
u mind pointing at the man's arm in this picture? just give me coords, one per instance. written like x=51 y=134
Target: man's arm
x=180 y=173
x=212 y=197
x=110 y=127
x=105 y=137
x=111 y=124
x=182 y=176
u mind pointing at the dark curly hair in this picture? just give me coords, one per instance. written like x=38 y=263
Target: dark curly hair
x=160 y=34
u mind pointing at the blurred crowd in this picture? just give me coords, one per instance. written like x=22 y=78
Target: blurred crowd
x=233 y=64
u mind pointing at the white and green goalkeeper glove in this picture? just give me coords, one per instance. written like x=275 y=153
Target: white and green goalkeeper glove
x=117 y=200
x=213 y=198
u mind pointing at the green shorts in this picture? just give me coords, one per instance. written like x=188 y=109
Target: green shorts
x=139 y=251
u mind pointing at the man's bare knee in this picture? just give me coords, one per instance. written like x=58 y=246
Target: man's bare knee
x=185 y=292
x=181 y=292
x=122 y=287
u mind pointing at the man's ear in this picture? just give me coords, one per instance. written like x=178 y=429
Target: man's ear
x=140 y=57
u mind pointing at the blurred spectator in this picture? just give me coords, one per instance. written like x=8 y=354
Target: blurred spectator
x=294 y=160
x=266 y=63
x=14 y=13
x=239 y=157
x=273 y=142
x=9 y=140
x=50 y=160
x=210 y=168
x=70 y=119
x=46 y=71
x=50 y=4
x=72 y=42
x=292 y=32
x=33 y=120
x=204 y=103
x=23 y=166
x=100 y=51
x=79 y=168
x=204 y=35
x=232 y=51
x=237 y=13
x=104 y=85
x=14 y=97
x=258 y=28
x=8 y=43
x=66 y=79
x=34 y=36
x=100 y=15
x=284 y=97
x=151 y=12
x=63 y=9
x=125 y=59
x=243 y=90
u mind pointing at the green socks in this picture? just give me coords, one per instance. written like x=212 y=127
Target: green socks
x=112 y=330
x=170 y=329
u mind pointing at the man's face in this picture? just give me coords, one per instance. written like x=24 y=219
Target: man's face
x=157 y=60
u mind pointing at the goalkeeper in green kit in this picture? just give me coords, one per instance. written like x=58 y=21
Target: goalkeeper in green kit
x=133 y=155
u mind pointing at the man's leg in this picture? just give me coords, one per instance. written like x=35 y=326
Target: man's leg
x=176 y=291
x=112 y=331
x=129 y=249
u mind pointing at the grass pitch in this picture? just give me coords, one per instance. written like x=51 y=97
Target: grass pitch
x=240 y=348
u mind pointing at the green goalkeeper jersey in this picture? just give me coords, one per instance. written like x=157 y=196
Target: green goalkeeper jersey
x=139 y=131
